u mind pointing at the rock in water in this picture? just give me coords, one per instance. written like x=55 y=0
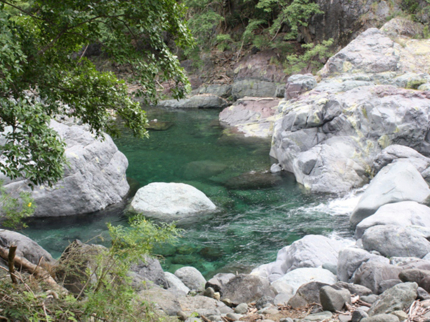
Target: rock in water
x=170 y=201
x=396 y=182
x=94 y=179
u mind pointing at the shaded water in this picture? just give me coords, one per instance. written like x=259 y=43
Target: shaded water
x=252 y=223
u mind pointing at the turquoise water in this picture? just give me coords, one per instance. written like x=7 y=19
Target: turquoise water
x=254 y=219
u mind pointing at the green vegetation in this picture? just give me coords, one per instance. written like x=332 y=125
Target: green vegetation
x=44 y=72
x=15 y=210
x=106 y=293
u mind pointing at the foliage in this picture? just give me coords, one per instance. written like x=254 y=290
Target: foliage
x=313 y=58
x=106 y=292
x=44 y=72
x=224 y=41
x=13 y=209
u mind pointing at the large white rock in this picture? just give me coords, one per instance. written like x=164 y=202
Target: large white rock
x=404 y=214
x=396 y=182
x=300 y=276
x=170 y=201
x=94 y=178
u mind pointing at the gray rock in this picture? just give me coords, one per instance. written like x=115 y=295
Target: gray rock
x=26 y=247
x=381 y=318
x=264 y=301
x=307 y=294
x=318 y=316
x=411 y=80
x=209 y=292
x=387 y=284
x=300 y=276
x=223 y=91
x=422 y=294
x=275 y=168
x=171 y=201
x=234 y=317
x=166 y=300
x=282 y=298
x=306 y=81
x=372 y=298
x=396 y=182
x=390 y=240
x=192 y=278
x=150 y=269
x=396 y=298
x=334 y=300
x=253 y=88
x=358 y=315
x=424 y=87
x=175 y=283
x=242 y=308
x=312 y=251
x=253 y=180
x=203 y=305
x=280 y=286
x=331 y=267
x=251 y=116
x=421 y=277
x=203 y=169
x=94 y=178
x=246 y=288
x=353 y=288
x=219 y=281
x=400 y=153
x=371 y=274
x=350 y=259
x=196 y=102
x=403 y=214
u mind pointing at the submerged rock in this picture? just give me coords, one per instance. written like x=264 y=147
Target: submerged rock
x=198 y=101
x=253 y=180
x=171 y=201
x=155 y=125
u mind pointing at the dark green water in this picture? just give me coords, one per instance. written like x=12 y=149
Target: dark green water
x=251 y=225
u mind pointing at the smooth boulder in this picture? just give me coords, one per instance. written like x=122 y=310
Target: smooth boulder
x=301 y=276
x=390 y=241
x=170 y=201
x=246 y=288
x=402 y=214
x=192 y=278
x=396 y=182
x=371 y=274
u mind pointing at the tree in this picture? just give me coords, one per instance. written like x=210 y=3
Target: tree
x=44 y=72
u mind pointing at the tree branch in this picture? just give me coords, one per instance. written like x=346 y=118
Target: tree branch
x=11 y=261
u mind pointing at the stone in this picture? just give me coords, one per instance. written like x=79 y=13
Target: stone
x=252 y=116
x=300 y=276
x=209 y=292
x=246 y=288
x=312 y=251
x=280 y=286
x=175 y=283
x=234 y=317
x=282 y=298
x=204 y=101
x=149 y=269
x=156 y=125
x=350 y=259
x=93 y=179
x=390 y=240
x=264 y=301
x=242 y=308
x=396 y=182
x=171 y=201
x=218 y=281
x=387 y=284
x=203 y=169
x=400 y=153
x=356 y=289
x=381 y=318
x=253 y=180
x=358 y=315
x=223 y=91
x=306 y=294
x=372 y=298
x=331 y=267
x=166 y=300
x=396 y=298
x=192 y=278
x=346 y=317
x=403 y=214
x=318 y=316
x=422 y=294
x=203 y=305
x=275 y=168
x=421 y=277
x=371 y=274
x=334 y=300
x=401 y=315
x=26 y=247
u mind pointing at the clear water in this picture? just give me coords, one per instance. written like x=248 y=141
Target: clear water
x=251 y=225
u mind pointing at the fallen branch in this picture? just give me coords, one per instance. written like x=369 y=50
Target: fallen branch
x=38 y=272
x=11 y=261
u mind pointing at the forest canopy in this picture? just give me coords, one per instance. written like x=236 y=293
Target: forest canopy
x=44 y=72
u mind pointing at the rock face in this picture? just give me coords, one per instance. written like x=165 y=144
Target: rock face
x=251 y=116
x=396 y=182
x=94 y=179
x=26 y=247
x=330 y=136
x=197 y=101
x=392 y=241
x=402 y=214
x=253 y=88
x=170 y=201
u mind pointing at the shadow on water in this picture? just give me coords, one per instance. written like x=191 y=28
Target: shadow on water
x=259 y=213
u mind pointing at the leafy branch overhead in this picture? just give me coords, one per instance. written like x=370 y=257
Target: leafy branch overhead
x=44 y=72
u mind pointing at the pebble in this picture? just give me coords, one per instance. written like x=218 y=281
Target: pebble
x=209 y=292
x=401 y=315
x=345 y=317
x=370 y=298
x=269 y=310
x=242 y=308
